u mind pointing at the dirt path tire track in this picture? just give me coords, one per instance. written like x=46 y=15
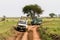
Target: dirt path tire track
x=16 y=36
x=19 y=37
x=25 y=37
x=30 y=35
x=36 y=35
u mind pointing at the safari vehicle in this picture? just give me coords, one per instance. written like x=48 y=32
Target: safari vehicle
x=21 y=26
x=36 y=21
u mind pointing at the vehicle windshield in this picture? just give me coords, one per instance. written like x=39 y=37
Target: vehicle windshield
x=22 y=22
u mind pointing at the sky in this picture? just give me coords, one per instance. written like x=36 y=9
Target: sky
x=13 y=8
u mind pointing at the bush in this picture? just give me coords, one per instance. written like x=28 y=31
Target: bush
x=43 y=34
x=55 y=36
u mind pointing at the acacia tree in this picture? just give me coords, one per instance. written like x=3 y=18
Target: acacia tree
x=31 y=10
x=51 y=15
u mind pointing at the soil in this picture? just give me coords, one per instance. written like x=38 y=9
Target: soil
x=30 y=34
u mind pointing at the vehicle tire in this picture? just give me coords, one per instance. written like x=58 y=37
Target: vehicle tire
x=24 y=30
x=17 y=28
x=32 y=23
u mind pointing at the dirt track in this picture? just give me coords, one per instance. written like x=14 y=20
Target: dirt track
x=31 y=34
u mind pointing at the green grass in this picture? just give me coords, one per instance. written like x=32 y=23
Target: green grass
x=6 y=27
x=50 y=26
x=53 y=25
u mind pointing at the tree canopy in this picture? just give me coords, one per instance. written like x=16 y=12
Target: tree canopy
x=51 y=15
x=31 y=10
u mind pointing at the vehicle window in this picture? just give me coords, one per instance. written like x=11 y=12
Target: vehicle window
x=22 y=22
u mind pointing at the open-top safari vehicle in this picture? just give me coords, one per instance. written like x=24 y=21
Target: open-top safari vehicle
x=21 y=26
x=36 y=21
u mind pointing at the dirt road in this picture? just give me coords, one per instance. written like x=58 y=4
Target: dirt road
x=31 y=34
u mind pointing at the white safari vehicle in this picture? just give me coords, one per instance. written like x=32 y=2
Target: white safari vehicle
x=22 y=26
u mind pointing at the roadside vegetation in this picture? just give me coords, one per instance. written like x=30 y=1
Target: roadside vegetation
x=6 y=27
x=50 y=29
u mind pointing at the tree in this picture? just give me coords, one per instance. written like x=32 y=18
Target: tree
x=51 y=15
x=31 y=10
